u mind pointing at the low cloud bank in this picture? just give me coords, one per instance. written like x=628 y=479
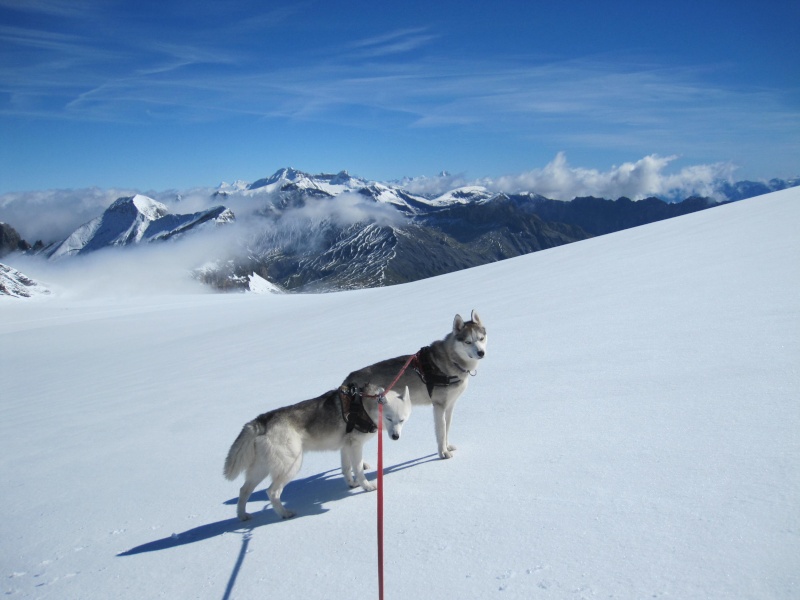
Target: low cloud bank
x=559 y=180
x=51 y=215
x=635 y=180
x=147 y=269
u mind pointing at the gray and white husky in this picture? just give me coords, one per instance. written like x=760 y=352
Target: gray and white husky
x=437 y=374
x=344 y=419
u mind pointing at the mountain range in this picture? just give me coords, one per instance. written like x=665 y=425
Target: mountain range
x=328 y=232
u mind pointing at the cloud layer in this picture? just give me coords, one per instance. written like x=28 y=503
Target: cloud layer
x=51 y=215
x=635 y=180
x=648 y=176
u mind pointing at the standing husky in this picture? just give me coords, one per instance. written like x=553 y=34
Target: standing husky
x=273 y=443
x=438 y=374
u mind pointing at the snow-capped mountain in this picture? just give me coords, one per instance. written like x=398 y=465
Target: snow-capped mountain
x=289 y=178
x=290 y=188
x=463 y=195
x=286 y=185
x=133 y=220
x=17 y=285
x=377 y=235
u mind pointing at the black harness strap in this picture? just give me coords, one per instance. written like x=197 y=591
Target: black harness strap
x=353 y=411
x=431 y=375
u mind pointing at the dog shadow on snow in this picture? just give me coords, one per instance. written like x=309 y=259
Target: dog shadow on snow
x=307 y=496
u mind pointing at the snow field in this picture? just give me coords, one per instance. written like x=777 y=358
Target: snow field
x=632 y=433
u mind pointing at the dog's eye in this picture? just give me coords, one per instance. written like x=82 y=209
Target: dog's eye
x=468 y=342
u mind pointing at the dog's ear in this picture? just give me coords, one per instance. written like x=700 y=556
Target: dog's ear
x=406 y=397
x=476 y=319
x=458 y=323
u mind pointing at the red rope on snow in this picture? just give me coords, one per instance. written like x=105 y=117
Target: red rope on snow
x=380 y=501
x=380 y=475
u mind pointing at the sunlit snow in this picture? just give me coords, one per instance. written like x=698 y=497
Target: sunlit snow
x=632 y=432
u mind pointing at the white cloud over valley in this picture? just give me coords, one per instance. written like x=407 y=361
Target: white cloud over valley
x=636 y=180
x=646 y=177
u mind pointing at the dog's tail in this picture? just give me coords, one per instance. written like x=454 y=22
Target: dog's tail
x=243 y=450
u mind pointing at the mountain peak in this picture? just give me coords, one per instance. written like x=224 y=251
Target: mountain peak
x=286 y=174
x=138 y=204
x=463 y=195
x=278 y=179
x=341 y=178
x=133 y=220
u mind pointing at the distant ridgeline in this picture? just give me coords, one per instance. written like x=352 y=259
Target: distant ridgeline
x=335 y=232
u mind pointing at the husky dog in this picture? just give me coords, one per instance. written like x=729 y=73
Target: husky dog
x=344 y=419
x=438 y=374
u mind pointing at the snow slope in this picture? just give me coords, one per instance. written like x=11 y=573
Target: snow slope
x=18 y=285
x=632 y=433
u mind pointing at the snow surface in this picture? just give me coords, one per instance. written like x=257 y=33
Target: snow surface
x=632 y=433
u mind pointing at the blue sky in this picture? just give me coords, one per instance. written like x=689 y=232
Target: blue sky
x=169 y=95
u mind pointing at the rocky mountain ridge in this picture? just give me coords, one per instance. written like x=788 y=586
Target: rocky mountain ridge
x=133 y=220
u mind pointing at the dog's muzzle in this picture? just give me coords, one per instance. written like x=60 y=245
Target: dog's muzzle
x=395 y=436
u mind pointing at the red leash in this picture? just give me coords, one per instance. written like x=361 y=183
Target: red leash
x=380 y=475
x=400 y=374
x=380 y=501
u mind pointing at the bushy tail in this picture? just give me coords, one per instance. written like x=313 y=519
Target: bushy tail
x=242 y=452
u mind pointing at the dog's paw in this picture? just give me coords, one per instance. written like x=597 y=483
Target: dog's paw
x=245 y=516
x=451 y=448
x=445 y=454
x=287 y=514
x=369 y=487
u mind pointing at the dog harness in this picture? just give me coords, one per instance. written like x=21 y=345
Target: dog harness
x=353 y=411
x=431 y=375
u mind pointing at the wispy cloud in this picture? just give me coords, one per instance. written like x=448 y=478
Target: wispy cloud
x=394 y=42
x=389 y=80
x=400 y=80
x=55 y=8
